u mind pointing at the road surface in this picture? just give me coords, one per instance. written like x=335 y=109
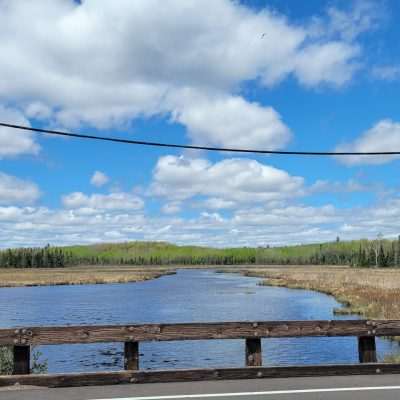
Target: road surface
x=384 y=387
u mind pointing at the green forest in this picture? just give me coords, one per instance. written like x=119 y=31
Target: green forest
x=358 y=253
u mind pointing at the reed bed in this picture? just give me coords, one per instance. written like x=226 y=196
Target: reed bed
x=372 y=293
x=78 y=275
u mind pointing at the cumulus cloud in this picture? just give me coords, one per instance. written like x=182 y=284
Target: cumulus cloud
x=12 y=142
x=39 y=226
x=324 y=63
x=233 y=180
x=275 y=224
x=383 y=136
x=17 y=191
x=70 y=48
x=368 y=222
x=190 y=71
x=38 y=110
x=233 y=122
x=300 y=224
x=281 y=217
x=99 y=179
x=112 y=201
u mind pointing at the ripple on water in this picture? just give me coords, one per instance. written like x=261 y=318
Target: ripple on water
x=190 y=295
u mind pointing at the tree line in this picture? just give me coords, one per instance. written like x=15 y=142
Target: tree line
x=361 y=253
x=45 y=257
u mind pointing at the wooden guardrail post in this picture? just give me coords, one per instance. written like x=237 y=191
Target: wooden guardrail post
x=367 y=349
x=21 y=356
x=253 y=352
x=131 y=356
x=21 y=341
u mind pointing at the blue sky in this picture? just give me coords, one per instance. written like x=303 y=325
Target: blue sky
x=263 y=74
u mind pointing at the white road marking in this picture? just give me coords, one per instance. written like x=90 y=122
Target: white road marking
x=273 y=392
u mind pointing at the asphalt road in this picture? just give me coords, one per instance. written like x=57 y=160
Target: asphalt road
x=384 y=387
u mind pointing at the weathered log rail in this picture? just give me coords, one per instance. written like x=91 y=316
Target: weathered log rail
x=252 y=332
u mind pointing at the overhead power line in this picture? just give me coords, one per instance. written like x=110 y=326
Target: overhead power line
x=193 y=147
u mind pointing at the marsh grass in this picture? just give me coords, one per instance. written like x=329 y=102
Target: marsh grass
x=79 y=275
x=372 y=293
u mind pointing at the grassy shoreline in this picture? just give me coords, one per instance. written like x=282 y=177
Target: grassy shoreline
x=371 y=293
x=93 y=274
x=82 y=275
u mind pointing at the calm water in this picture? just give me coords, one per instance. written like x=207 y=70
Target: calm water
x=191 y=295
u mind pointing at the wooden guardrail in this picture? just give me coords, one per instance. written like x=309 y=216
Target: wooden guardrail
x=252 y=332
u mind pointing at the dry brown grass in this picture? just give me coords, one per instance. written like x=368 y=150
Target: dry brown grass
x=79 y=275
x=372 y=293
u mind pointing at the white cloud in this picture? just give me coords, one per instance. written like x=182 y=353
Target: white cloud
x=39 y=226
x=214 y=217
x=38 y=110
x=217 y=203
x=151 y=53
x=171 y=208
x=112 y=201
x=349 y=186
x=368 y=222
x=324 y=63
x=17 y=191
x=234 y=122
x=386 y=72
x=232 y=180
x=248 y=226
x=14 y=142
x=286 y=216
x=384 y=137
x=361 y=16
x=190 y=70
x=99 y=179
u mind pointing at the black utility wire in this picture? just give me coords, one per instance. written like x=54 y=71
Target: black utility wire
x=192 y=147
